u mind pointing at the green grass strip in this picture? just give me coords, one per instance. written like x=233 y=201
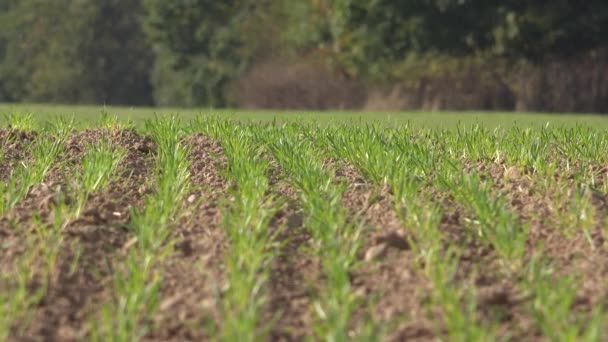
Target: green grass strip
x=246 y=222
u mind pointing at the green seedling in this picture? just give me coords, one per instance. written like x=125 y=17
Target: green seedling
x=457 y=303
x=574 y=210
x=246 y=221
x=16 y=300
x=493 y=222
x=137 y=284
x=553 y=298
x=99 y=166
x=137 y=287
x=45 y=151
x=528 y=149
x=20 y=122
x=367 y=148
x=336 y=240
x=36 y=265
x=478 y=143
x=113 y=123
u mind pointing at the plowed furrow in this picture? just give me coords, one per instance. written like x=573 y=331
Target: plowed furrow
x=293 y=273
x=193 y=274
x=387 y=275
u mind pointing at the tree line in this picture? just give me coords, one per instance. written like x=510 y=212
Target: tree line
x=193 y=52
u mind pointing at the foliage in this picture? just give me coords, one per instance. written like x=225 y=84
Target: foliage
x=79 y=52
x=199 y=48
x=188 y=53
x=368 y=37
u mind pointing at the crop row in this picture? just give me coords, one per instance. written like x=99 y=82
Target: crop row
x=477 y=173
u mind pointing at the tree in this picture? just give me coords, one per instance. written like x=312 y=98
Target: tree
x=368 y=37
x=537 y=30
x=199 y=46
x=75 y=51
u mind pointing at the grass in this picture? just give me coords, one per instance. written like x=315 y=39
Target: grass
x=336 y=240
x=45 y=151
x=551 y=308
x=99 y=166
x=395 y=159
x=137 y=283
x=246 y=221
x=492 y=221
x=88 y=115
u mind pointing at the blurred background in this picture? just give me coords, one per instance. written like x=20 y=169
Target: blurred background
x=503 y=55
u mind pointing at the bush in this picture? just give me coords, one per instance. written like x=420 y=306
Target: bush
x=302 y=85
x=579 y=85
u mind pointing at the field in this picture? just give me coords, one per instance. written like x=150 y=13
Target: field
x=202 y=227
x=89 y=115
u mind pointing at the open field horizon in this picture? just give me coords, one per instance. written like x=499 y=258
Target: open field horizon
x=86 y=114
